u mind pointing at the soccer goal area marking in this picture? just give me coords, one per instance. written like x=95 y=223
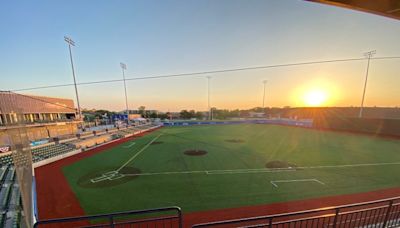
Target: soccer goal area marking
x=275 y=182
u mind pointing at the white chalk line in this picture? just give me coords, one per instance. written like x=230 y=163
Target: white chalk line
x=274 y=183
x=261 y=170
x=130 y=145
x=209 y=172
x=138 y=153
x=112 y=175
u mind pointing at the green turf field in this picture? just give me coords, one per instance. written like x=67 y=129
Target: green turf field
x=233 y=173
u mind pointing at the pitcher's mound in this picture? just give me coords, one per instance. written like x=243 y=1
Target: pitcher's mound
x=195 y=152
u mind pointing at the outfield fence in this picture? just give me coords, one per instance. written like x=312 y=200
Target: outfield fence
x=380 y=213
x=167 y=217
x=289 y=122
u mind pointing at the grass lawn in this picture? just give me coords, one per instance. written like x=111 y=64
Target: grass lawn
x=233 y=172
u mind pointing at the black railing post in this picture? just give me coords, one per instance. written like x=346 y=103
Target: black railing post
x=111 y=221
x=387 y=213
x=180 y=218
x=336 y=217
x=270 y=222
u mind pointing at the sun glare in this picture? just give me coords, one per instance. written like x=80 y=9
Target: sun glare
x=315 y=97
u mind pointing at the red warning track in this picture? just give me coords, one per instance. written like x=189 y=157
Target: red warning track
x=56 y=199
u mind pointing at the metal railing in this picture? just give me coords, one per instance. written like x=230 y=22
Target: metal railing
x=167 y=217
x=379 y=213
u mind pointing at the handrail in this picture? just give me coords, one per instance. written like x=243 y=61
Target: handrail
x=110 y=216
x=276 y=216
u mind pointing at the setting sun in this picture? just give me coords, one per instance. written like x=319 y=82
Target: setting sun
x=315 y=98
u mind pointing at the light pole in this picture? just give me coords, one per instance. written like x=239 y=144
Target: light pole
x=71 y=42
x=123 y=67
x=209 y=107
x=368 y=55
x=264 y=82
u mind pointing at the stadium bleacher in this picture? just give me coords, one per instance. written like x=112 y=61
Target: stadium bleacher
x=10 y=204
x=123 y=133
x=6 y=160
x=10 y=195
x=39 y=154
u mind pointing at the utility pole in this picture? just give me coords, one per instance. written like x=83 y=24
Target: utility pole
x=72 y=43
x=123 y=67
x=368 y=55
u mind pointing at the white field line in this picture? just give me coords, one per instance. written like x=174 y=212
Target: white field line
x=274 y=183
x=130 y=145
x=210 y=172
x=107 y=176
x=137 y=154
x=261 y=170
x=239 y=171
x=167 y=173
x=350 y=165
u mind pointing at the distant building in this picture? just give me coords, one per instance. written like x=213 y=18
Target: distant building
x=17 y=108
x=41 y=117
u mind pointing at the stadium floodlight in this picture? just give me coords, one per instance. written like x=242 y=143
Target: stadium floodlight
x=69 y=40
x=368 y=55
x=264 y=82
x=123 y=67
x=208 y=91
x=72 y=43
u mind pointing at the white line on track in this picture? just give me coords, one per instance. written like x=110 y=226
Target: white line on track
x=274 y=183
x=260 y=170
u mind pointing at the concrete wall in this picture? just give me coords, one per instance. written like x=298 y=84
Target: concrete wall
x=37 y=132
